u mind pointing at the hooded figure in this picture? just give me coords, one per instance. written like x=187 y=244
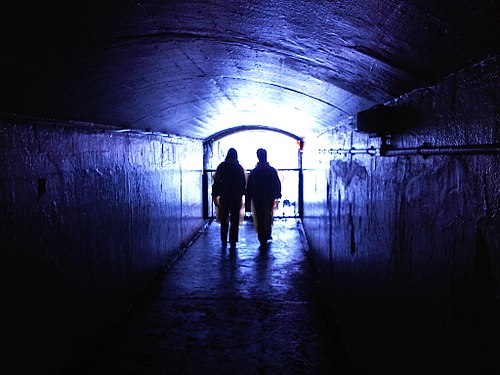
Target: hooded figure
x=263 y=191
x=227 y=193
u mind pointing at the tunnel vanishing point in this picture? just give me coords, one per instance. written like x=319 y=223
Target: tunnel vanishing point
x=106 y=112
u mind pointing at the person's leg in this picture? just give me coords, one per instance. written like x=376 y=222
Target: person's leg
x=234 y=229
x=235 y=222
x=267 y=219
x=261 y=211
x=224 y=223
x=271 y=219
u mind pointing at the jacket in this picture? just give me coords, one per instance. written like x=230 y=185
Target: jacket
x=263 y=185
x=229 y=180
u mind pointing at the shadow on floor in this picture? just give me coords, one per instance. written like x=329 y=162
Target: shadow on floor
x=217 y=310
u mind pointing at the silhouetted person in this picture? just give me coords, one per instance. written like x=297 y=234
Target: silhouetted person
x=263 y=191
x=227 y=192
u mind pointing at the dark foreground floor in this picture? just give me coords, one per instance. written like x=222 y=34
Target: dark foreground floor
x=222 y=311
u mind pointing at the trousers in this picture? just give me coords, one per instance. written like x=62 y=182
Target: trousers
x=263 y=219
x=229 y=213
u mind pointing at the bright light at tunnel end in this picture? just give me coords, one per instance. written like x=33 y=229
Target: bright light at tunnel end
x=273 y=115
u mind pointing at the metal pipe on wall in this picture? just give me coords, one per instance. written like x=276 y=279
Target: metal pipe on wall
x=387 y=150
x=427 y=150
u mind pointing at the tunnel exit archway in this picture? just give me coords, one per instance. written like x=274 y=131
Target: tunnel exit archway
x=284 y=153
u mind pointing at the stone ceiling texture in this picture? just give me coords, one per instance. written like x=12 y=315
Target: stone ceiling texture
x=195 y=68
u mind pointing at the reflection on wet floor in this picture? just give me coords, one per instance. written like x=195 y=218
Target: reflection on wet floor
x=223 y=311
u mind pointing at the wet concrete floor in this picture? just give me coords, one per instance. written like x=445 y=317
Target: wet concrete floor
x=218 y=310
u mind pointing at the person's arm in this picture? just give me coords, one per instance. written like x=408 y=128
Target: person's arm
x=248 y=194
x=243 y=181
x=277 y=184
x=216 y=186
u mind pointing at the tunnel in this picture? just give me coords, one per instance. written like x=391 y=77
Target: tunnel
x=109 y=113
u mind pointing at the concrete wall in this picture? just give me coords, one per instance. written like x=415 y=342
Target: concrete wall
x=409 y=246
x=87 y=218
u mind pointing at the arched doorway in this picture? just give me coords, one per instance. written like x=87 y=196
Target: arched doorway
x=284 y=153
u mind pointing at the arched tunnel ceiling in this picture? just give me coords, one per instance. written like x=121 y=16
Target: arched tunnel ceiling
x=196 y=68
